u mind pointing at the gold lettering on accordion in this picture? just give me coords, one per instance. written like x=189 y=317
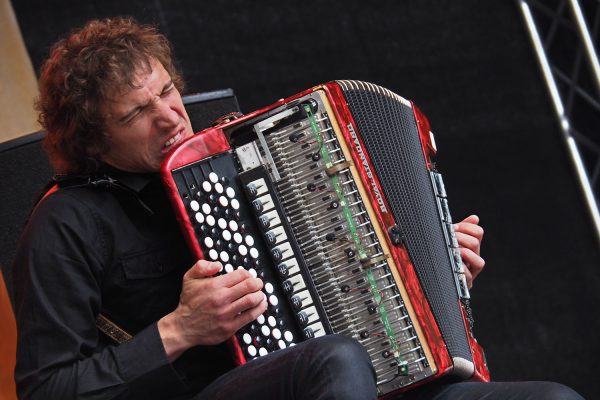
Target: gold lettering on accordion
x=367 y=169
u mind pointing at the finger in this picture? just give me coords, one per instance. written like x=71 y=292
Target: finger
x=470 y=229
x=469 y=278
x=234 y=277
x=203 y=269
x=243 y=288
x=246 y=302
x=472 y=219
x=473 y=262
x=468 y=241
x=251 y=314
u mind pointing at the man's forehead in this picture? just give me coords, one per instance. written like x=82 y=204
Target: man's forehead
x=121 y=88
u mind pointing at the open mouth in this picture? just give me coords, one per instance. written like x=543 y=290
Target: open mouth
x=174 y=139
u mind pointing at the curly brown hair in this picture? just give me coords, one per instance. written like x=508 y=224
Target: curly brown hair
x=82 y=71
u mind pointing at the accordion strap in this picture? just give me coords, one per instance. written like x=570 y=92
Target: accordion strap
x=111 y=329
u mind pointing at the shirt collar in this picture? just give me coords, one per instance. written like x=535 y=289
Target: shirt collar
x=134 y=181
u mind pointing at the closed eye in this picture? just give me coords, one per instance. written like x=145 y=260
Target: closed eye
x=131 y=115
x=168 y=88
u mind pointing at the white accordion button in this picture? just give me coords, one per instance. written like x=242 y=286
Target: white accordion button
x=224 y=256
x=230 y=192
x=273 y=300
x=206 y=186
x=288 y=336
x=208 y=242
x=213 y=177
x=226 y=235
x=253 y=253
x=276 y=333
x=262 y=352
x=199 y=217
x=222 y=223
x=194 y=205
x=249 y=240
x=210 y=220
x=252 y=351
x=237 y=238
x=260 y=319
x=218 y=188
x=265 y=330
x=269 y=287
x=213 y=254
x=247 y=338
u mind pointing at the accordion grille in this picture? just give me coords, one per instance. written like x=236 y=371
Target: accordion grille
x=392 y=141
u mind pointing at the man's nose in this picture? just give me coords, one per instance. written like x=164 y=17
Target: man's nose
x=166 y=115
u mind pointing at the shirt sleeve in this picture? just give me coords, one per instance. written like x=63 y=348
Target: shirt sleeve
x=58 y=273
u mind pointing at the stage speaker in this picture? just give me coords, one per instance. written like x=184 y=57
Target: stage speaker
x=26 y=170
x=204 y=108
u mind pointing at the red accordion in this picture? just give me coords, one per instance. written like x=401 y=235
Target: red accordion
x=331 y=197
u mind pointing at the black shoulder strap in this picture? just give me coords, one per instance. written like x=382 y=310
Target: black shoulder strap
x=62 y=181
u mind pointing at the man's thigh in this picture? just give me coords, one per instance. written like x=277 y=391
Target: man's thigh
x=330 y=367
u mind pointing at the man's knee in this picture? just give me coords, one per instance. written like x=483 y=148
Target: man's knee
x=342 y=368
x=341 y=351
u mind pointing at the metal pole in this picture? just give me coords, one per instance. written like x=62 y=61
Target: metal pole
x=562 y=117
x=586 y=38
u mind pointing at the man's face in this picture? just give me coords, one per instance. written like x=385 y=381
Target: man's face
x=144 y=123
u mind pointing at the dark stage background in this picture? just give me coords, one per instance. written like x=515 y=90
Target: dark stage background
x=468 y=64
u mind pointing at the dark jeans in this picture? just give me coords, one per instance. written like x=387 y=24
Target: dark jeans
x=336 y=367
x=330 y=367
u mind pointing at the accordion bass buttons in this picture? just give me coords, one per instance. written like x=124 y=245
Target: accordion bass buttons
x=294 y=284
x=276 y=235
x=269 y=219
x=256 y=188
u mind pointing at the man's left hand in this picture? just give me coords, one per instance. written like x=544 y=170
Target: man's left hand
x=469 y=235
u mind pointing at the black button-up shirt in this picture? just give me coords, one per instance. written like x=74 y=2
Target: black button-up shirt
x=116 y=251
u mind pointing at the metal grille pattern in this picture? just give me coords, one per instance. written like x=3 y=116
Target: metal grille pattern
x=393 y=142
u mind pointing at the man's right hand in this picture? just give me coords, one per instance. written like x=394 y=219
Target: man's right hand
x=211 y=308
